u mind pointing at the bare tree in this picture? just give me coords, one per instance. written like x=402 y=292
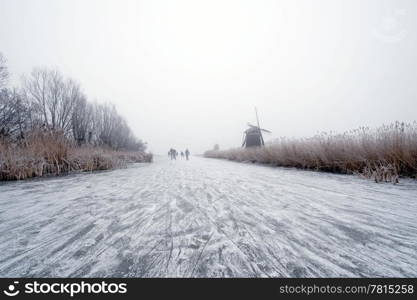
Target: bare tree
x=113 y=131
x=13 y=114
x=71 y=96
x=58 y=103
x=35 y=89
x=82 y=121
x=53 y=97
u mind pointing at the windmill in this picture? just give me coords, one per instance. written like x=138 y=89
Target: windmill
x=253 y=135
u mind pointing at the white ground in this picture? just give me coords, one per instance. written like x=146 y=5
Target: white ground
x=207 y=218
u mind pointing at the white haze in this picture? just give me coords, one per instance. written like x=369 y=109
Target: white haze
x=189 y=73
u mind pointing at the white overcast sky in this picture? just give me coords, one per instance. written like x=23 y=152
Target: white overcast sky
x=189 y=73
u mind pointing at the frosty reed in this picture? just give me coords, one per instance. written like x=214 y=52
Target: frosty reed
x=382 y=154
x=45 y=153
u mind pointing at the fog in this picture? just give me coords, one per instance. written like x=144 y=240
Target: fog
x=189 y=73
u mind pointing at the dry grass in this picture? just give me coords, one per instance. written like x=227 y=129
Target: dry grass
x=382 y=154
x=50 y=153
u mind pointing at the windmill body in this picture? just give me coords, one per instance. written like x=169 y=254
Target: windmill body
x=253 y=138
x=253 y=135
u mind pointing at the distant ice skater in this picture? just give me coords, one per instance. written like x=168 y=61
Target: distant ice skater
x=173 y=154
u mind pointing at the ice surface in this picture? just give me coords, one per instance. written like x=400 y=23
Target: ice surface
x=207 y=218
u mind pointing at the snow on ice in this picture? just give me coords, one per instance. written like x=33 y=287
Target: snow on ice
x=207 y=218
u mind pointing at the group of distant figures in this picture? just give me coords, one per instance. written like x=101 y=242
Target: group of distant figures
x=174 y=153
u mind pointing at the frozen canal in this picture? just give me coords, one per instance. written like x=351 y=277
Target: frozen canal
x=207 y=218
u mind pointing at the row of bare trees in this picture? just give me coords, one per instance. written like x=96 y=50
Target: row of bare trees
x=50 y=101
